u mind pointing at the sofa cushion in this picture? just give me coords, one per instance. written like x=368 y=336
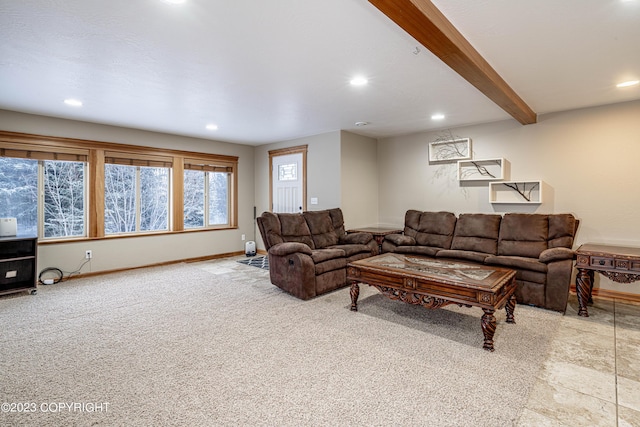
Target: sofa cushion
x=418 y=250
x=294 y=229
x=523 y=235
x=477 y=232
x=350 y=250
x=562 y=229
x=433 y=229
x=270 y=229
x=322 y=255
x=517 y=262
x=400 y=239
x=355 y=238
x=411 y=221
x=321 y=226
x=330 y=265
x=338 y=221
x=478 y=257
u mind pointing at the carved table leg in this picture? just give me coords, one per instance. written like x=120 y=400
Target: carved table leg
x=511 y=305
x=355 y=292
x=584 y=283
x=488 y=328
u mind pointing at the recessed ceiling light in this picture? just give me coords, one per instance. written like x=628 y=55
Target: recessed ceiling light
x=359 y=81
x=73 y=102
x=437 y=116
x=211 y=126
x=629 y=83
x=359 y=124
x=174 y=1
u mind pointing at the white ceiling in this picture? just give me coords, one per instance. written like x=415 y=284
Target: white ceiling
x=267 y=71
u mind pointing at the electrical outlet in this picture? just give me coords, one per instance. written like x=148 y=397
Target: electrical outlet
x=243 y=237
x=88 y=254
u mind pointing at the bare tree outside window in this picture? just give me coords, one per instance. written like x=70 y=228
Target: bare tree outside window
x=119 y=199
x=19 y=193
x=218 y=198
x=136 y=199
x=206 y=197
x=193 y=199
x=63 y=199
x=154 y=183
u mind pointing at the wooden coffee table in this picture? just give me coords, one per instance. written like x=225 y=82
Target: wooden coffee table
x=435 y=283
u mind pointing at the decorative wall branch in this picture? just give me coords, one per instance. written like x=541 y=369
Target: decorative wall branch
x=446 y=148
x=515 y=191
x=526 y=194
x=481 y=170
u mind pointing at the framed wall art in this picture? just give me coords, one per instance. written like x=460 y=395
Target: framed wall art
x=450 y=150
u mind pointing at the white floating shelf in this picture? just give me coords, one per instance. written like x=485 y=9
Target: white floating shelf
x=515 y=192
x=482 y=170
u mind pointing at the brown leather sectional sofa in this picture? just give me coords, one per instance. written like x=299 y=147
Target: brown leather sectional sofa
x=537 y=246
x=309 y=252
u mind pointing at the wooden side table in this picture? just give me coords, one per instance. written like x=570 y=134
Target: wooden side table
x=378 y=233
x=619 y=263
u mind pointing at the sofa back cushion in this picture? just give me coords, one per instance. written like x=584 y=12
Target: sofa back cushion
x=321 y=227
x=295 y=229
x=523 y=234
x=562 y=230
x=269 y=226
x=434 y=229
x=338 y=221
x=477 y=233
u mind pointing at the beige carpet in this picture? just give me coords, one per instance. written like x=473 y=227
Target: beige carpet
x=179 y=345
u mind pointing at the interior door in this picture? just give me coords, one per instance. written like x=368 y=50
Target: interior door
x=287 y=189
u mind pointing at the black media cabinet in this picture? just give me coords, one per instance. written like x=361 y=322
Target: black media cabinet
x=18 y=264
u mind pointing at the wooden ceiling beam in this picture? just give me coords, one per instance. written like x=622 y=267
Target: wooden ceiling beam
x=424 y=22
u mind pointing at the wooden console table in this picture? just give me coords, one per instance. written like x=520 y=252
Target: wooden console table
x=619 y=263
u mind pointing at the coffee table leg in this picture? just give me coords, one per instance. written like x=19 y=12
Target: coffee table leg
x=355 y=292
x=488 y=328
x=510 y=307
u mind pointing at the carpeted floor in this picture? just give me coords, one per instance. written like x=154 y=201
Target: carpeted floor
x=215 y=344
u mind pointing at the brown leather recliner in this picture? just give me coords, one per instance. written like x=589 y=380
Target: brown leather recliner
x=309 y=252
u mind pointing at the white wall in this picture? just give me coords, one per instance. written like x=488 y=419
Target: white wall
x=588 y=159
x=359 y=180
x=323 y=172
x=118 y=253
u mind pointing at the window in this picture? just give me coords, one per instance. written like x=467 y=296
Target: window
x=19 y=193
x=61 y=211
x=194 y=199
x=61 y=188
x=64 y=198
x=136 y=198
x=206 y=196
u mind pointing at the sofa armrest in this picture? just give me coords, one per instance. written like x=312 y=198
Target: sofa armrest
x=287 y=248
x=556 y=254
x=356 y=239
x=400 y=239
